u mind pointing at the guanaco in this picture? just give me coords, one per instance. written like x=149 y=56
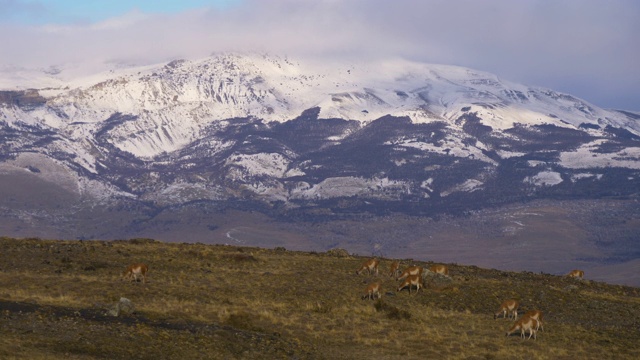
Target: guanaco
x=576 y=274
x=411 y=270
x=394 y=269
x=410 y=281
x=136 y=270
x=535 y=314
x=370 y=265
x=373 y=291
x=439 y=269
x=508 y=308
x=525 y=324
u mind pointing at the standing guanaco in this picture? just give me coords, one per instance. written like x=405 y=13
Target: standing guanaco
x=525 y=324
x=508 y=308
x=133 y=271
x=535 y=314
x=394 y=269
x=411 y=270
x=370 y=265
x=373 y=290
x=410 y=281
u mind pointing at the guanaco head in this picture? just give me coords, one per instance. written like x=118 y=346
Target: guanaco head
x=515 y=327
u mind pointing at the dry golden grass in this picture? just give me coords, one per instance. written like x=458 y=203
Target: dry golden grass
x=227 y=302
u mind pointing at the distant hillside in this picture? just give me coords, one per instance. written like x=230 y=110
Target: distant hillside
x=232 y=302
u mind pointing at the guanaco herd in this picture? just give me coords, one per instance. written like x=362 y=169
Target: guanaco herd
x=413 y=276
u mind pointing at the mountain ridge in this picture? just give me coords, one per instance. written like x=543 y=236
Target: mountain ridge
x=165 y=109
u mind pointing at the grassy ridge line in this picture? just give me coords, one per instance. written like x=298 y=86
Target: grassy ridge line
x=213 y=301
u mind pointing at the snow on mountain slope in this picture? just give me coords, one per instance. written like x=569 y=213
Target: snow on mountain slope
x=168 y=105
x=116 y=128
x=351 y=186
x=588 y=156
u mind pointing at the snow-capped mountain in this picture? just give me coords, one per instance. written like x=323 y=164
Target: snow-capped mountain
x=382 y=136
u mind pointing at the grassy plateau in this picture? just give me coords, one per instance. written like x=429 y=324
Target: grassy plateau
x=228 y=302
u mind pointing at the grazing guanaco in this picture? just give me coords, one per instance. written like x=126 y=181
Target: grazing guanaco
x=370 y=265
x=508 y=308
x=410 y=281
x=394 y=269
x=373 y=290
x=439 y=269
x=535 y=314
x=411 y=270
x=525 y=324
x=135 y=270
x=576 y=274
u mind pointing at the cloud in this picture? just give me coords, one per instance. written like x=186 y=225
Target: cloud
x=588 y=48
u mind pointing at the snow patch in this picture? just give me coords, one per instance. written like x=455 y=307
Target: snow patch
x=469 y=186
x=587 y=157
x=580 y=176
x=535 y=163
x=448 y=146
x=504 y=154
x=272 y=164
x=544 y=178
x=352 y=186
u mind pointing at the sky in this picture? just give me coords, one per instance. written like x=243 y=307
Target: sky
x=587 y=48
